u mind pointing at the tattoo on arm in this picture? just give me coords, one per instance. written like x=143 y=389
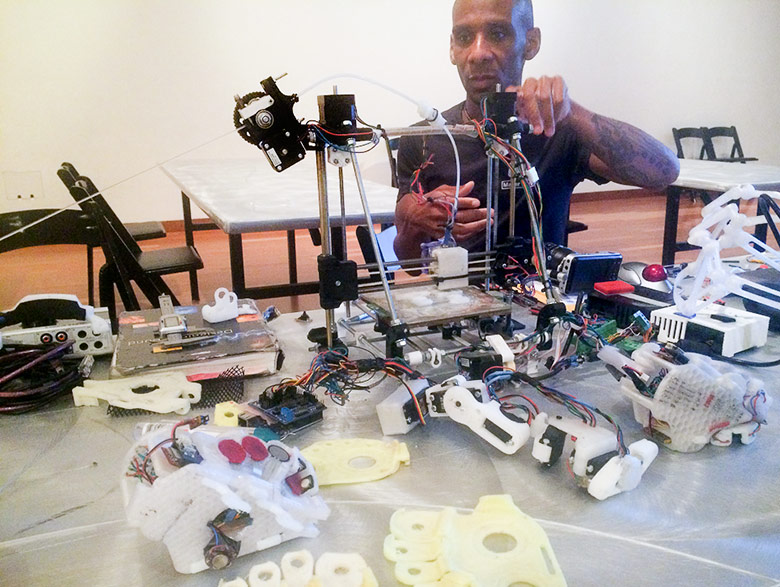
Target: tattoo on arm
x=632 y=156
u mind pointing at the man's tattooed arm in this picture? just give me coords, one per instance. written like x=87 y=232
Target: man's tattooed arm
x=623 y=153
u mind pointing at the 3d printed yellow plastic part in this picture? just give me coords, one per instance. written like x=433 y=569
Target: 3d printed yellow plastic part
x=495 y=546
x=333 y=569
x=226 y=414
x=355 y=460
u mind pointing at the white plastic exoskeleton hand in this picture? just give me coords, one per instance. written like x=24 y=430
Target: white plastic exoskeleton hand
x=723 y=226
x=687 y=399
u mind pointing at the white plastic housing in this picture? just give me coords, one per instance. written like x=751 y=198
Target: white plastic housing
x=391 y=412
x=177 y=507
x=486 y=420
x=741 y=330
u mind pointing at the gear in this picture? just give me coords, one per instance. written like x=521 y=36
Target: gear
x=245 y=130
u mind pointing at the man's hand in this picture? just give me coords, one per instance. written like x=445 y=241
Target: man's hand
x=421 y=218
x=543 y=103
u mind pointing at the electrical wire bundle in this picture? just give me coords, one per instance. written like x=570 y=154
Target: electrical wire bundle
x=140 y=467
x=494 y=378
x=339 y=375
x=520 y=170
x=368 y=138
x=32 y=376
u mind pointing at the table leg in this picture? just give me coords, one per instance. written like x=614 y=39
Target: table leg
x=292 y=260
x=189 y=238
x=671 y=218
x=237 y=276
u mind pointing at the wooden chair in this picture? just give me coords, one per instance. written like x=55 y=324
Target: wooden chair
x=695 y=136
x=141 y=231
x=707 y=150
x=730 y=140
x=770 y=210
x=126 y=263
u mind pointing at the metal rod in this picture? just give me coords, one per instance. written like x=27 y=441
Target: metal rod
x=489 y=204
x=457 y=129
x=374 y=243
x=343 y=226
x=322 y=193
x=513 y=185
x=495 y=189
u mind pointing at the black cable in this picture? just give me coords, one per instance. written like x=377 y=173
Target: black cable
x=33 y=377
x=704 y=349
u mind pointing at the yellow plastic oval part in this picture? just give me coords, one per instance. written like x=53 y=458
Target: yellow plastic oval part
x=355 y=460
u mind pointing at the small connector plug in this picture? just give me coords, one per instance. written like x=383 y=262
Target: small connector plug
x=197 y=421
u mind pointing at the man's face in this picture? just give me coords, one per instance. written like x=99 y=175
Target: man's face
x=489 y=44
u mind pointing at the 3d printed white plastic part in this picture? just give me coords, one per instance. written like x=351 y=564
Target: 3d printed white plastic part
x=498 y=344
x=397 y=414
x=467 y=403
x=450 y=267
x=298 y=569
x=161 y=393
x=226 y=414
x=212 y=496
x=355 y=460
x=486 y=420
x=731 y=329
x=688 y=400
x=434 y=395
x=590 y=445
x=705 y=280
x=495 y=546
x=225 y=307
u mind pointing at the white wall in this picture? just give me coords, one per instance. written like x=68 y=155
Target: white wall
x=118 y=86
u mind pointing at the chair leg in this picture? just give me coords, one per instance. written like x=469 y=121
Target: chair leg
x=91 y=275
x=153 y=286
x=106 y=279
x=126 y=293
x=194 y=291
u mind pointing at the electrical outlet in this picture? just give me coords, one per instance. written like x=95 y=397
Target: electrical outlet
x=23 y=185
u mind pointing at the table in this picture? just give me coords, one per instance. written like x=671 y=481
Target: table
x=247 y=195
x=707 y=518
x=709 y=176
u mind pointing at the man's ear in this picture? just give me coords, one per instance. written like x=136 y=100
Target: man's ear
x=452 y=50
x=533 y=41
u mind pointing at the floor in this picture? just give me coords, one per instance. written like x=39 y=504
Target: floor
x=630 y=222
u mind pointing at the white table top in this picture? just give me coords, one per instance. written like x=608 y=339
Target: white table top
x=721 y=176
x=247 y=195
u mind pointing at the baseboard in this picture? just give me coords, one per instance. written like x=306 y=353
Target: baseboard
x=178 y=225
x=616 y=194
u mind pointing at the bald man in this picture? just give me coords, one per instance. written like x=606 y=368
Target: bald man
x=490 y=42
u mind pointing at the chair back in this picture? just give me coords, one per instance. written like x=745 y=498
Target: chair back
x=728 y=137
x=770 y=210
x=700 y=142
x=70 y=176
x=117 y=226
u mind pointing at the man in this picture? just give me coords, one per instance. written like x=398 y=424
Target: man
x=490 y=42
